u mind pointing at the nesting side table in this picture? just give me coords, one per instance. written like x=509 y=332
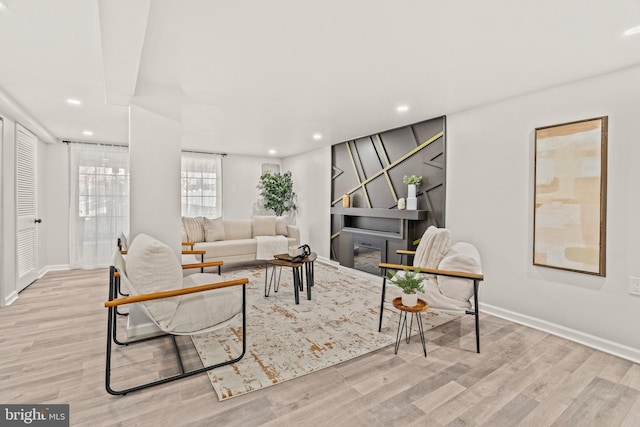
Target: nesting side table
x=405 y=328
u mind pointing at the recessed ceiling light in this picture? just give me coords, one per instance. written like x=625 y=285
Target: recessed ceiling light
x=87 y=132
x=317 y=136
x=632 y=31
x=3 y=5
x=402 y=108
x=73 y=101
x=272 y=151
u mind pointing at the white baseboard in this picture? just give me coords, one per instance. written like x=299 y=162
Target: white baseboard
x=10 y=299
x=142 y=331
x=47 y=268
x=620 y=350
x=328 y=261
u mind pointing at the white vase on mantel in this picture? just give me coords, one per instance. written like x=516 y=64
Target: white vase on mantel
x=409 y=300
x=412 y=201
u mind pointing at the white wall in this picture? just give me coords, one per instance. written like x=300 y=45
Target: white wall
x=240 y=178
x=490 y=203
x=311 y=173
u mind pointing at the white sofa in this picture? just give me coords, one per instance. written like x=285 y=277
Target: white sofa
x=235 y=240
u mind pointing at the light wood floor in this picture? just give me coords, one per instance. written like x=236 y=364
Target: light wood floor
x=52 y=343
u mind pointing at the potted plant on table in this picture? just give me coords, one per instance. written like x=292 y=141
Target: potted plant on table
x=411 y=283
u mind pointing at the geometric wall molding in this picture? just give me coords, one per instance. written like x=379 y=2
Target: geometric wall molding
x=370 y=170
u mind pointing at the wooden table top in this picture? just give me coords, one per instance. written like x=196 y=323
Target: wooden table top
x=286 y=257
x=421 y=306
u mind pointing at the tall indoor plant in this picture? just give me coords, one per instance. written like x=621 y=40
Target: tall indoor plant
x=277 y=192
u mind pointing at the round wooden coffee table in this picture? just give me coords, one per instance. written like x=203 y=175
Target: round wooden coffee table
x=416 y=311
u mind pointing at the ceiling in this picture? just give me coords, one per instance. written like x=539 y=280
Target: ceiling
x=246 y=77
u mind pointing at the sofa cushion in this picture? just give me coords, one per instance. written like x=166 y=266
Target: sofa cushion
x=463 y=257
x=152 y=267
x=194 y=226
x=238 y=229
x=229 y=248
x=213 y=229
x=433 y=246
x=281 y=225
x=264 y=226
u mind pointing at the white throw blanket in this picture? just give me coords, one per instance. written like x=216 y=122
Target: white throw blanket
x=268 y=246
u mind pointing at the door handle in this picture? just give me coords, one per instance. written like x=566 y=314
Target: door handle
x=37 y=221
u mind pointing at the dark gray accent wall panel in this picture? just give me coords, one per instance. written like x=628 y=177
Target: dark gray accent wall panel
x=370 y=170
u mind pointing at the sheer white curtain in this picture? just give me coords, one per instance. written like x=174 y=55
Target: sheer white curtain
x=201 y=184
x=99 y=202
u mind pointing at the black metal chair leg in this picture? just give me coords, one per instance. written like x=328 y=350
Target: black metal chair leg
x=111 y=325
x=475 y=309
x=384 y=286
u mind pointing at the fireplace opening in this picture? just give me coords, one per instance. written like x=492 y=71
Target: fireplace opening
x=368 y=253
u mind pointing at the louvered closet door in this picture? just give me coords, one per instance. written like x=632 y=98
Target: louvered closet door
x=26 y=193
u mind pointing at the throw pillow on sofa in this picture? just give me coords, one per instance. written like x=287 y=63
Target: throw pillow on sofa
x=194 y=226
x=264 y=226
x=213 y=229
x=281 y=225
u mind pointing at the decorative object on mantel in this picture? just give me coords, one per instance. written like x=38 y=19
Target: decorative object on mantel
x=410 y=282
x=402 y=204
x=346 y=201
x=412 y=181
x=276 y=190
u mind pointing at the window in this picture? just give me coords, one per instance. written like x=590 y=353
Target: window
x=99 y=201
x=201 y=184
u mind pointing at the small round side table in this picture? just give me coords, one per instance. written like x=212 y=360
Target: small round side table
x=402 y=321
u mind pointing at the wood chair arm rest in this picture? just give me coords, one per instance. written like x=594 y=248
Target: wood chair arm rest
x=123 y=251
x=203 y=264
x=405 y=252
x=175 y=292
x=188 y=243
x=459 y=274
x=194 y=252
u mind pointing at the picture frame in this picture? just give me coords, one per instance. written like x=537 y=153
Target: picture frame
x=570 y=195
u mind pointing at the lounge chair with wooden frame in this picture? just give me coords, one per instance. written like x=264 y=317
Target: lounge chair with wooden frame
x=453 y=275
x=187 y=263
x=178 y=305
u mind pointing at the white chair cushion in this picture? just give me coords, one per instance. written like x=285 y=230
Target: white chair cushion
x=205 y=311
x=153 y=267
x=213 y=229
x=433 y=246
x=463 y=257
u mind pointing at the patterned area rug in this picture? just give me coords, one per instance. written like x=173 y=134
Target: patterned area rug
x=286 y=341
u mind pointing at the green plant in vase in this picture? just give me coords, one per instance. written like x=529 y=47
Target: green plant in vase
x=412 y=179
x=277 y=192
x=411 y=283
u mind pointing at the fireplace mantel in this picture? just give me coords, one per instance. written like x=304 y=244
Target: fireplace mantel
x=381 y=213
x=385 y=229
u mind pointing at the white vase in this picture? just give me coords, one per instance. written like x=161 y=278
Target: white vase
x=412 y=201
x=409 y=300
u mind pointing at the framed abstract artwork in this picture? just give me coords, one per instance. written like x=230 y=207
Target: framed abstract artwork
x=570 y=197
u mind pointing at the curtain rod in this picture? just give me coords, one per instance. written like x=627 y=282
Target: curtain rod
x=108 y=144
x=126 y=145
x=204 y=152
